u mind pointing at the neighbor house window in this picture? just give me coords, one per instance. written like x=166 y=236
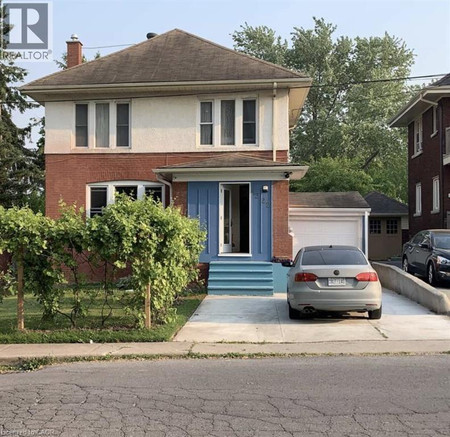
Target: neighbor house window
x=434 y=120
x=123 y=125
x=447 y=141
x=99 y=200
x=206 y=123
x=418 y=199
x=436 y=197
x=418 y=135
x=249 y=122
x=227 y=122
x=375 y=226
x=102 y=125
x=101 y=195
x=391 y=226
x=81 y=125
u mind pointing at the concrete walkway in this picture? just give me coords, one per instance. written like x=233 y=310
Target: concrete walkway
x=265 y=319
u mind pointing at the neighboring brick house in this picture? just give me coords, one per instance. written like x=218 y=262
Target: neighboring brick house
x=186 y=121
x=427 y=117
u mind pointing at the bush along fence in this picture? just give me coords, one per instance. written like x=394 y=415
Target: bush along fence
x=159 y=246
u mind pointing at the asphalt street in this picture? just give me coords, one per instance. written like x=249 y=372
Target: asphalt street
x=311 y=396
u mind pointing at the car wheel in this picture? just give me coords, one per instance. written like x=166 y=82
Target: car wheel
x=405 y=265
x=293 y=314
x=431 y=274
x=375 y=314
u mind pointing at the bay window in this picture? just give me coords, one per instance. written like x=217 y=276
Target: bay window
x=102 y=125
x=206 y=123
x=81 y=125
x=123 y=125
x=249 y=122
x=227 y=121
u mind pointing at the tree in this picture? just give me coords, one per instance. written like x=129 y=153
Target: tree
x=62 y=64
x=20 y=174
x=358 y=84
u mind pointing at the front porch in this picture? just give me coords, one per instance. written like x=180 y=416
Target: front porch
x=242 y=203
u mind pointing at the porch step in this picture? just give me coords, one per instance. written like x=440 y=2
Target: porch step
x=240 y=278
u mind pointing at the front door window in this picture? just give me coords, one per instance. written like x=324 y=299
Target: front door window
x=235 y=218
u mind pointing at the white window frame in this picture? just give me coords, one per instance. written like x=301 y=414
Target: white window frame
x=418 y=200
x=112 y=124
x=418 y=136
x=111 y=192
x=238 y=122
x=434 y=119
x=436 y=195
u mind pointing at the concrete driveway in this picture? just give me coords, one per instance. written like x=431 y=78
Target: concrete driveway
x=265 y=319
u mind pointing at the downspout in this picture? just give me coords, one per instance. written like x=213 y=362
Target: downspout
x=366 y=233
x=274 y=119
x=167 y=184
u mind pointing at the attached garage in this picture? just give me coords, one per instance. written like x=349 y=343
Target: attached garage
x=328 y=218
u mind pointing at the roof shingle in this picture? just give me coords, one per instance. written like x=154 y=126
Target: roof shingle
x=174 y=56
x=382 y=204
x=350 y=199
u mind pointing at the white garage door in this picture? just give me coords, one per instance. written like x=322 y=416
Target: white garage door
x=310 y=231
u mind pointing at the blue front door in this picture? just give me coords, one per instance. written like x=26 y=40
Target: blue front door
x=237 y=217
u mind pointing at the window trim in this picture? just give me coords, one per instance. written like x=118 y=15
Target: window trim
x=436 y=196
x=238 y=125
x=418 y=200
x=88 y=126
x=434 y=114
x=209 y=123
x=122 y=102
x=418 y=129
x=91 y=117
x=110 y=191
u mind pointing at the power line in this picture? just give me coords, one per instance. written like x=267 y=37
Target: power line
x=108 y=47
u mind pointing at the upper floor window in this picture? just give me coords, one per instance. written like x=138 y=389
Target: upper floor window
x=206 y=123
x=228 y=122
x=123 y=125
x=249 y=122
x=81 y=125
x=436 y=197
x=102 y=124
x=434 y=120
x=100 y=195
x=418 y=199
x=418 y=135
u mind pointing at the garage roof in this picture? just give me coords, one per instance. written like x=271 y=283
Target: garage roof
x=348 y=199
x=385 y=205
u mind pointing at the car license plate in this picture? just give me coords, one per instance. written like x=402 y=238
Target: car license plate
x=333 y=282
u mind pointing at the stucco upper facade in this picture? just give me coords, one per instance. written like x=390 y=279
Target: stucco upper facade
x=171 y=124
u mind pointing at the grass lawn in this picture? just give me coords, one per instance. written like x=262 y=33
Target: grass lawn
x=118 y=328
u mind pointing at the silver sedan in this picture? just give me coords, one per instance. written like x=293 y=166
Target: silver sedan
x=332 y=278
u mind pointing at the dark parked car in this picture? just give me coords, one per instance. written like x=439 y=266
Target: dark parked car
x=428 y=254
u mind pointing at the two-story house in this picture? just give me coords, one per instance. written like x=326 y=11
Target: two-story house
x=186 y=121
x=427 y=117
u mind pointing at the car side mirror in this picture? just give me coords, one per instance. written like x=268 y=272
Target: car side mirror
x=287 y=264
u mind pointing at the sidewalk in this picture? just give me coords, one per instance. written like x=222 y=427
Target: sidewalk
x=13 y=353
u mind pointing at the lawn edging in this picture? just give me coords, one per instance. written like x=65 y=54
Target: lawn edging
x=414 y=288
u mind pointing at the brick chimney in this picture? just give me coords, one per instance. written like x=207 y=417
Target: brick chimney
x=74 y=51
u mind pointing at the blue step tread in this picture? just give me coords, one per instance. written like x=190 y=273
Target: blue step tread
x=232 y=278
x=239 y=287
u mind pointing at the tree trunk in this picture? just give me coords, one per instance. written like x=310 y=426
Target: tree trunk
x=20 y=309
x=148 y=319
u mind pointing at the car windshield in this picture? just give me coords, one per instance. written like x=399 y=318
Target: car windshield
x=442 y=241
x=326 y=257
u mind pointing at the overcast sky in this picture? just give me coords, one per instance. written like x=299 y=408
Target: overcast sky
x=423 y=24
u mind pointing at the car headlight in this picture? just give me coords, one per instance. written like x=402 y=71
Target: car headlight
x=442 y=260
